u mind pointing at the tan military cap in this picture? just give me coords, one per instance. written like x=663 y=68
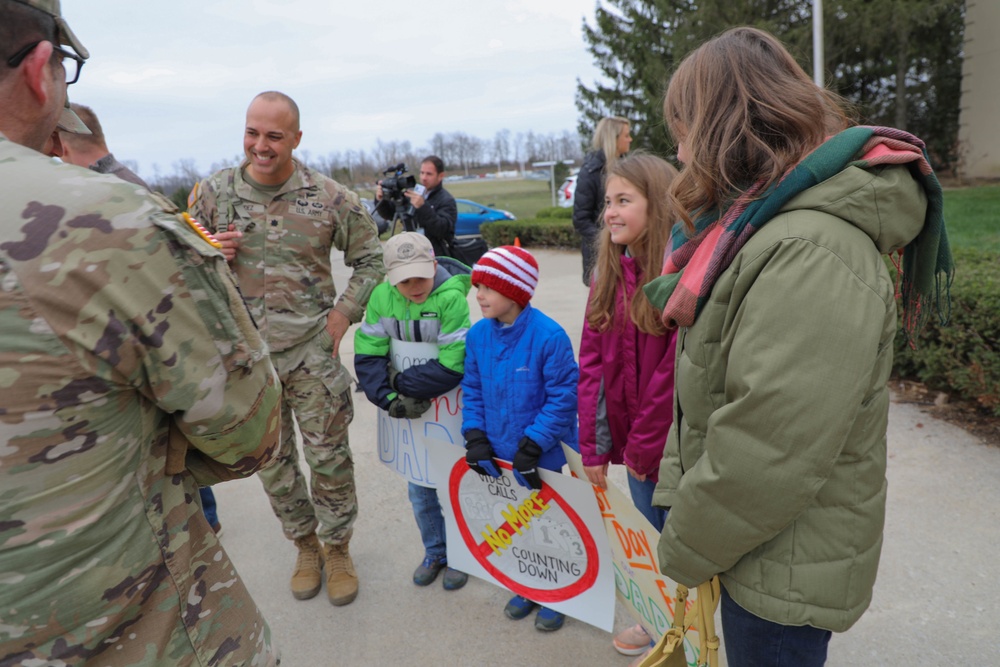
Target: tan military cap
x=68 y=120
x=66 y=35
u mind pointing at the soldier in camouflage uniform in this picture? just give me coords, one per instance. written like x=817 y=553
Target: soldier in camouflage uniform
x=131 y=372
x=278 y=221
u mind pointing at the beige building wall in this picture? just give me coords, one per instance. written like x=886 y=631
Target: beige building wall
x=979 y=119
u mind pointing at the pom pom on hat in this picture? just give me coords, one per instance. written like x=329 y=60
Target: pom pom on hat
x=509 y=270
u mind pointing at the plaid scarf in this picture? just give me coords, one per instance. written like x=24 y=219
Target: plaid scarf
x=692 y=265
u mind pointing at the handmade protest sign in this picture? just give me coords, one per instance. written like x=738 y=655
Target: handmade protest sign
x=402 y=443
x=646 y=594
x=547 y=545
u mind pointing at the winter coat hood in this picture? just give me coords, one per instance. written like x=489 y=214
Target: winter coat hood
x=886 y=203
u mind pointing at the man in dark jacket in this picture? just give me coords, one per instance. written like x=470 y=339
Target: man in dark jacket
x=434 y=210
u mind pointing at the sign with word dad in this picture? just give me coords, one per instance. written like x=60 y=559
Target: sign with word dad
x=402 y=443
x=646 y=594
x=547 y=545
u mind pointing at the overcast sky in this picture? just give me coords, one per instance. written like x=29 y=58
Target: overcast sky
x=172 y=80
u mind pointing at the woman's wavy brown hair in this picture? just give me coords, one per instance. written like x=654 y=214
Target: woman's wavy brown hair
x=745 y=111
x=652 y=177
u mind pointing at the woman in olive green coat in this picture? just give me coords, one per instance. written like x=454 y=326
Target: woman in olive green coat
x=775 y=470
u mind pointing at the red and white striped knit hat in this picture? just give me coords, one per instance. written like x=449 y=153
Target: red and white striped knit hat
x=510 y=270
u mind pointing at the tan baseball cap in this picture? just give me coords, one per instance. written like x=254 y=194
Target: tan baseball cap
x=408 y=255
x=68 y=120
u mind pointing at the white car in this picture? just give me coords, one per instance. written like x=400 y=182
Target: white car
x=566 y=191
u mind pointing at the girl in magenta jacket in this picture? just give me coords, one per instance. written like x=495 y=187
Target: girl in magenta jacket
x=626 y=387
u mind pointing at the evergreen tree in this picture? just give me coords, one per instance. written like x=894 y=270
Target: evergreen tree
x=898 y=61
x=637 y=44
x=904 y=68
x=633 y=45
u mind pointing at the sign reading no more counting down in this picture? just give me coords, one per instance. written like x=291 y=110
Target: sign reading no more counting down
x=538 y=544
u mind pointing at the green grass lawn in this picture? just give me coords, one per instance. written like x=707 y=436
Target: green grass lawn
x=972 y=216
x=522 y=197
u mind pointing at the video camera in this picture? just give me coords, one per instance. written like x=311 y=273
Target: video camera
x=393 y=186
x=392 y=190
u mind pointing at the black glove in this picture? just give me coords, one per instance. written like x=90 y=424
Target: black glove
x=526 y=463
x=405 y=406
x=479 y=453
x=393 y=374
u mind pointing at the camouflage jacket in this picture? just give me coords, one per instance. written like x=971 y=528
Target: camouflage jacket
x=283 y=262
x=120 y=331
x=110 y=165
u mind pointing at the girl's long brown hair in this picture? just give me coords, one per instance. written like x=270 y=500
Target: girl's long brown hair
x=652 y=177
x=745 y=111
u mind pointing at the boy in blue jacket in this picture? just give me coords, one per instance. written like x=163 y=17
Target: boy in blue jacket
x=519 y=386
x=424 y=301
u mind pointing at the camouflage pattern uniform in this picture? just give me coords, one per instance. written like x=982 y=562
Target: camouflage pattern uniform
x=110 y=165
x=122 y=334
x=284 y=271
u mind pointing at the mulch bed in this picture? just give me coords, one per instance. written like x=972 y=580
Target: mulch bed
x=939 y=405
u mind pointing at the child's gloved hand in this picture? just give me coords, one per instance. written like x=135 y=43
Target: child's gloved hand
x=405 y=406
x=526 y=463
x=479 y=453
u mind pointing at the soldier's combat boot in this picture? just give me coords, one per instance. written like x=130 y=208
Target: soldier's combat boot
x=341 y=579
x=307 y=577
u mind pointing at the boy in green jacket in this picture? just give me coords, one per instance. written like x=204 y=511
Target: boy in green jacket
x=424 y=301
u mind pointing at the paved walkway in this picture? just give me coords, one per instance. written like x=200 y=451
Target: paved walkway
x=937 y=600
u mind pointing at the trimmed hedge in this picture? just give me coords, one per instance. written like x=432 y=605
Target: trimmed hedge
x=962 y=357
x=533 y=233
x=559 y=212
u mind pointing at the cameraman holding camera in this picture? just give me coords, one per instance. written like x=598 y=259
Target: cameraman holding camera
x=433 y=209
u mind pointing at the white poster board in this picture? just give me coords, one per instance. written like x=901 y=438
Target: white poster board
x=648 y=595
x=402 y=443
x=548 y=546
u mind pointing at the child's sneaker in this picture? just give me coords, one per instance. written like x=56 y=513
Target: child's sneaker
x=518 y=608
x=548 y=620
x=453 y=579
x=633 y=640
x=427 y=572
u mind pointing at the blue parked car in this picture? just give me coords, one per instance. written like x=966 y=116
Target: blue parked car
x=471 y=215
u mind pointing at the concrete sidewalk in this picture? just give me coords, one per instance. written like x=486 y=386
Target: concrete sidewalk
x=937 y=600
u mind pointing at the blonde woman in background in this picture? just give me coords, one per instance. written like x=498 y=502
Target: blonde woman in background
x=612 y=139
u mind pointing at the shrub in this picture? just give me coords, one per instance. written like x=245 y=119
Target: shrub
x=558 y=212
x=962 y=357
x=544 y=233
x=180 y=198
